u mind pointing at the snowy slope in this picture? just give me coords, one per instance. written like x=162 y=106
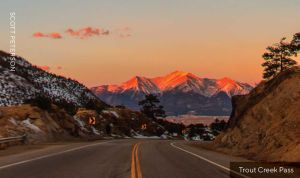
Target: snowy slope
x=28 y=81
x=14 y=89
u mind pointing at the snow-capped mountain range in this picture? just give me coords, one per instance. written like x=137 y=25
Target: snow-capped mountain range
x=174 y=85
x=29 y=81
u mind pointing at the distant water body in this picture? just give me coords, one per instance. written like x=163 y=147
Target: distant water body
x=192 y=119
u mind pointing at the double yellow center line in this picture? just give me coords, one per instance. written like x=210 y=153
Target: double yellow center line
x=135 y=162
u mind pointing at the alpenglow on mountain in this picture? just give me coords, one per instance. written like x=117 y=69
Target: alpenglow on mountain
x=180 y=93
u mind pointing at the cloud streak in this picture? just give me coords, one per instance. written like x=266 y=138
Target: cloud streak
x=53 y=35
x=86 y=32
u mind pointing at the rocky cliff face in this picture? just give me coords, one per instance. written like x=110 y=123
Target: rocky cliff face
x=264 y=124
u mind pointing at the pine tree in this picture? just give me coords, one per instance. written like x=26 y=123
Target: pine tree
x=280 y=56
x=295 y=44
x=151 y=108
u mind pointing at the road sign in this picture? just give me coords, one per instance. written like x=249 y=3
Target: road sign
x=92 y=120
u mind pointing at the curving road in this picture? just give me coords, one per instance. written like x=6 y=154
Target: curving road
x=130 y=158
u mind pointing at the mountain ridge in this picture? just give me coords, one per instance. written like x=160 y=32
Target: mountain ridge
x=178 y=79
x=176 y=83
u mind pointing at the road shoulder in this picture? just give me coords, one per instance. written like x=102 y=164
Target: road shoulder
x=27 y=152
x=217 y=157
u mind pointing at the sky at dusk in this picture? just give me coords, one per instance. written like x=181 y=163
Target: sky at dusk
x=109 y=41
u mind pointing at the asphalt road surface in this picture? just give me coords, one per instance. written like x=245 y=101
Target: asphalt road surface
x=129 y=158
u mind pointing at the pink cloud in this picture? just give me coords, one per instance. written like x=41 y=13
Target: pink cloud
x=45 y=68
x=86 y=32
x=53 y=35
x=38 y=34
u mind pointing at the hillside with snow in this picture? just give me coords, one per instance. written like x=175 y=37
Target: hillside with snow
x=29 y=81
x=180 y=93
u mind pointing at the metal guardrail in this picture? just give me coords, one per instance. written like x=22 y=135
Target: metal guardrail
x=21 y=138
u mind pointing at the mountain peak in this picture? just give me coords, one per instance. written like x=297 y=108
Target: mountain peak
x=139 y=83
x=225 y=81
x=134 y=81
x=179 y=73
x=174 y=79
x=232 y=87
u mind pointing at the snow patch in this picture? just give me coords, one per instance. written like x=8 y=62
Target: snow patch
x=13 y=121
x=81 y=124
x=115 y=114
x=95 y=131
x=145 y=137
x=197 y=138
x=164 y=136
x=111 y=112
x=28 y=124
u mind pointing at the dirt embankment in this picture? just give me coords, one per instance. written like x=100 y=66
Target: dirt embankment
x=265 y=123
x=38 y=124
x=56 y=124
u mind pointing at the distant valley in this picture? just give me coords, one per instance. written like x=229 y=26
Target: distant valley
x=191 y=119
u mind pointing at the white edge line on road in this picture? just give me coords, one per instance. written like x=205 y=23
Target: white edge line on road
x=50 y=155
x=207 y=160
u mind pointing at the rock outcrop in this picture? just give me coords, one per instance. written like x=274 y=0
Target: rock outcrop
x=264 y=124
x=55 y=124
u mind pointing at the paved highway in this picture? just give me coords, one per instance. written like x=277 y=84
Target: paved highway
x=130 y=158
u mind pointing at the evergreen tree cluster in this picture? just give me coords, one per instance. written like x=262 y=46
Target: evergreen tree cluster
x=280 y=56
x=151 y=108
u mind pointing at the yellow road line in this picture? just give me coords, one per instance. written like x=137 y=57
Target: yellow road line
x=133 y=174
x=138 y=165
x=135 y=163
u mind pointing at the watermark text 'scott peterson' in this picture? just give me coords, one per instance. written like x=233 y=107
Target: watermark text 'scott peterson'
x=12 y=41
